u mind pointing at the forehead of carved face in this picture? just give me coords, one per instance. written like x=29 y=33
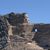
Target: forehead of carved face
x=14 y=19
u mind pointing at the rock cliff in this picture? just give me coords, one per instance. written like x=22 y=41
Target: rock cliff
x=17 y=34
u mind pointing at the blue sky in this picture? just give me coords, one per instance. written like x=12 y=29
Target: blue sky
x=37 y=10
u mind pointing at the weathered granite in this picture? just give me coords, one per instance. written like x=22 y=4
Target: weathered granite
x=20 y=35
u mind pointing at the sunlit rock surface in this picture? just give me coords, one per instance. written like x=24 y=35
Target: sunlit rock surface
x=17 y=34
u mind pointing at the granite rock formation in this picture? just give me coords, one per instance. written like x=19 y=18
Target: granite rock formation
x=17 y=34
x=42 y=36
x=3 y=33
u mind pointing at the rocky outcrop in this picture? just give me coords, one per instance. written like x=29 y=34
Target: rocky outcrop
x=18 y=31
x=17 y=34
x=3 y=33
x=42 y=36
